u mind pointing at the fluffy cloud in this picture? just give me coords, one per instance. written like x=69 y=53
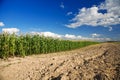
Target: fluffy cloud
x=47 y=34
x=54 y=35
x=95 y=35
x=92 y=16
x=68 y=36
x=69 y=13
x=71 y=36
x=2 y=24
x=100 y=39
x=10 y=30
x=50 y=34
x=62 y=5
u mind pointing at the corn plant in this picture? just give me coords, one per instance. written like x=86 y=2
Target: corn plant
x=12 y=44
x=22 y=45
x=5 y=45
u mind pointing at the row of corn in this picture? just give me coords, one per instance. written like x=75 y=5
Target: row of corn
x=22 y=45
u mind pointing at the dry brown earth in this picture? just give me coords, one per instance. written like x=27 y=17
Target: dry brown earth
x=96 y=62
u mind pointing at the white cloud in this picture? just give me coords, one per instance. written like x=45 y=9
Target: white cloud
x=10 y=30
x=62 y=5
x=95 y=38
x=48 y=34
x=71 y=36
x=101 y=39
x=69 y=13
x=2 y=24
x=91 y=16
x=95 y=35
x=110 y=28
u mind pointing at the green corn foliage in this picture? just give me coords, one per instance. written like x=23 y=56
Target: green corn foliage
x=27 y=44
x=22 y=45
x=4 y=45
x=20 y=48
x=12 y=44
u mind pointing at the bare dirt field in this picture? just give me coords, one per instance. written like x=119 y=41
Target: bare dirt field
x=96 y=62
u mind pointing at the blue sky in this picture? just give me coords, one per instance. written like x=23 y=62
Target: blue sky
x=70 y=19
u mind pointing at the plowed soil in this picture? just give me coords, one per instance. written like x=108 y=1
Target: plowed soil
x=96 y=62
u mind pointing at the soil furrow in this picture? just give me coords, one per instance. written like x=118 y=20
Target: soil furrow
x=96 y=62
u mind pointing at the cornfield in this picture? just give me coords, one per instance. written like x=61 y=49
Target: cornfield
x=22 y=45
